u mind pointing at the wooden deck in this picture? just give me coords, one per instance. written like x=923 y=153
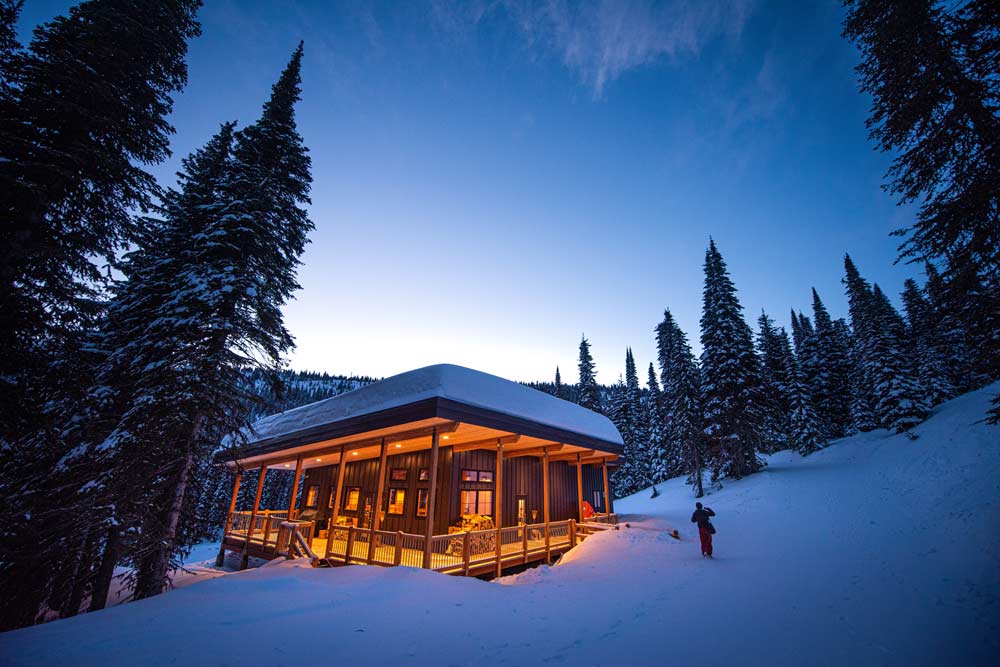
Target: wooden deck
x=472 y=553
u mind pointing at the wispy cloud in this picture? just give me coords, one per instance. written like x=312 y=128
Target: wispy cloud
x=602 y=39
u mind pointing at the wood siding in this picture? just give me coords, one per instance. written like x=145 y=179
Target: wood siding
x=522 y=477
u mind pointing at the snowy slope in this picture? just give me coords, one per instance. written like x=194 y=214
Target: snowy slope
x=875 y=551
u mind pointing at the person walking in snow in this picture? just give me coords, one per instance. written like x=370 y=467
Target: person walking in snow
x=702 y=517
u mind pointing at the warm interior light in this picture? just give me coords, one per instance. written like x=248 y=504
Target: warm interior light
x=288 y=465
x=318 y=460
x=398 y=445
x=354 y=453
x=444 y=437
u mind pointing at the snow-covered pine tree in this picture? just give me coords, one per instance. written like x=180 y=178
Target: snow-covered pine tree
x=931 y=355
x=558 y=384
x=831 y=395
x=665 y=461
x=626 y=479
x=84 y=109
x=636 y=424
x=775 y=384
x=588 y=393
x=859 y=296
x=804 y=434
x=731 y=372
x=682 y=400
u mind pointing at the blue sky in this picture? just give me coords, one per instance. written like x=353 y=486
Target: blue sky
x=493 y=179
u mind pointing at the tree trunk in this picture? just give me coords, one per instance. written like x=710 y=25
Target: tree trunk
x=155 y=578
x=106 y=570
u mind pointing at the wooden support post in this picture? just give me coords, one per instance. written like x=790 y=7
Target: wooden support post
x=377 y=509
x=524 y=542
x=341 y=468
x=221 y=558
x=295 y=488
x=572 y=533
x=579 y=488
x=466 y=548
x=431 y=500
x=545 y=503
x=350 y=545
x=498 y=506
x=244 y=561
x=607 y=493
x=399 y=548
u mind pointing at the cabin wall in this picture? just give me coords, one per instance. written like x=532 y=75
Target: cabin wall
x=522 y=479
x=364 y=474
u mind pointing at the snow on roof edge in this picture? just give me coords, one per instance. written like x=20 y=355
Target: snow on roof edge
x=464 y=385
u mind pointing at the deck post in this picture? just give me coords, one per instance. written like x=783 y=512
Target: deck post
x=524 y=541
x=341 y=467
x=350 y=545
x=245 y=559
x=579 y=486
x=399 y=548
x=572 y=533
x=607 y=494
x=545 y=501
x=466 y=548
x=221 y=558
x=377 y=516
x=295 y=487
x=431 y=499
x=498 y=507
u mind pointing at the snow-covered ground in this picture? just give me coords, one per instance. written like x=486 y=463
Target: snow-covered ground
x=876 y=551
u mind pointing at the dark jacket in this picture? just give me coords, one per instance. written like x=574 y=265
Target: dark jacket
x=701 y=517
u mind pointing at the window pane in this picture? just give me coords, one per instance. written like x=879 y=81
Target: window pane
x=398 y=474
x=397 y=498
x=470 y=475
x=353 y=496
x=421 y=502
x=485 y=475
x=425 y=474
x=485 y=503
x=468 y=502
x=311 y=495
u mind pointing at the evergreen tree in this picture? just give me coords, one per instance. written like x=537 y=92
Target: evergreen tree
x=831 y=385
x=931 y=356
x=83 y=109
x=731 y=372
x=804 y=436
x=682 y=400
x=931 y=71
x=558 y=385
x=665 y=460
x=775 y=382
x=588 y=393
x=627 y=478
x=884 y=372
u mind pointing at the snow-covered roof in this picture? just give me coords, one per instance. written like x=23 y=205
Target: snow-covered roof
x=447 y=381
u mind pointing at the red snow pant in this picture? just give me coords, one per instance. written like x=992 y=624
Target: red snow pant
x=706 y=541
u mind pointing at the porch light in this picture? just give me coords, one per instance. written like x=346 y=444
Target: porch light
x=398 y=445
x=354 y=453
x=444 y=437
x=288 y=465
x=318 y=460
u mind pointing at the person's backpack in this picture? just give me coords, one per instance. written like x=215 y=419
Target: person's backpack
x=711 y=528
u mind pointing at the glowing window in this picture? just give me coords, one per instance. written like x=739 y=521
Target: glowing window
x=397 y=498
x=477 y=502
x=311 y=495
x=352 y=498
x=422 y=496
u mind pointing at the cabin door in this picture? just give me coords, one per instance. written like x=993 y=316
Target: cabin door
x=369 y=513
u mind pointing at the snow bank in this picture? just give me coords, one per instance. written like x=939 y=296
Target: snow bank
x=875 y=551
x=457 y=383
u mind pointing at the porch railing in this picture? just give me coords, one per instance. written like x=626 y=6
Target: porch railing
x=455 y=553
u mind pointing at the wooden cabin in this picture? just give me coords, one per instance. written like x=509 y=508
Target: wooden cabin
x=443 y=467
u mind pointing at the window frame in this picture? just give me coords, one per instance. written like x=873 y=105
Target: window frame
x=478 y=501
x=475 y=476
x=312 y=496
x=399 y=474
x=426 y=495
x=388 y=501
x=347 y=499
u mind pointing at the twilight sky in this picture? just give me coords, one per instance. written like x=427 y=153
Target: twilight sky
x=493 y=179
